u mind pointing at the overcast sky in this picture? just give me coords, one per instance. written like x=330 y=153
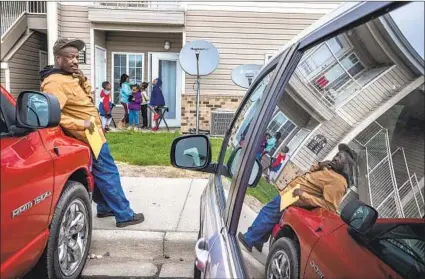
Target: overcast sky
x=407 y=19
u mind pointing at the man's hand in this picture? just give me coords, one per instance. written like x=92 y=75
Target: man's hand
x=89 y=125
x=297 y=192
x=80 y=75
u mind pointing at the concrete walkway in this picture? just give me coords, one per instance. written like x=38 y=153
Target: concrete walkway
x=163 y=245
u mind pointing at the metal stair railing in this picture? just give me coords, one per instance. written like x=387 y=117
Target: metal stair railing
x=12 y=11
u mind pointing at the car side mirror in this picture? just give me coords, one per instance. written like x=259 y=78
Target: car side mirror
x=359 y=216
x=233 y=162
x=191 y=152
x=36 y=110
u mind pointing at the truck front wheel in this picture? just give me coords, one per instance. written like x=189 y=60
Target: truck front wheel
x=70 y=233
x=283 y=260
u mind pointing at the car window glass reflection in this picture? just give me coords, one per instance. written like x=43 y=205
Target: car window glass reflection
x=191 y=152
x=37 y=110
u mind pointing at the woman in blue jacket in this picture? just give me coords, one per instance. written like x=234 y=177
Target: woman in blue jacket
x=125 y=92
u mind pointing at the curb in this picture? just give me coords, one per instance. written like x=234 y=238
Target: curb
x=141 y=254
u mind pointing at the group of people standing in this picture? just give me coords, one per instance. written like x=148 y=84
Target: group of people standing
x=135 y=100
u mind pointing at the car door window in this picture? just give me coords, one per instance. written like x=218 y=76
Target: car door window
x=234 y=143
x=3 y=125
x=403 y=249
x=338 y=79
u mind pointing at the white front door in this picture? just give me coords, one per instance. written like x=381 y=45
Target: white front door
x=167 y=67
x=100 y=72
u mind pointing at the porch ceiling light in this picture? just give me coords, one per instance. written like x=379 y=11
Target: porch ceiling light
x=167 y=45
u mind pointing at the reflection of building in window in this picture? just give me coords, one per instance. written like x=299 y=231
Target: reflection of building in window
x=280 y=123
x=335 y=70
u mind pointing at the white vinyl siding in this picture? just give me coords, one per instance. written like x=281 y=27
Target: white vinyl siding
x=74 y=23
x=242 y=38
x=24 y=65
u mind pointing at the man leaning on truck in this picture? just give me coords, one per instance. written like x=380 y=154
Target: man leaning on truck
x=67 y=82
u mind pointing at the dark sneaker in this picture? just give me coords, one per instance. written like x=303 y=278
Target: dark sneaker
x=104 y=215
x=259 y=246
x=241 y=238
x=137 y=219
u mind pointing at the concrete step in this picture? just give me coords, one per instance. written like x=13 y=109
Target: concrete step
x=127 y=268
x=141 y=254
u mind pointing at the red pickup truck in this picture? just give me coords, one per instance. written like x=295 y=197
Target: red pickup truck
x=46 y=187
x=319 y=244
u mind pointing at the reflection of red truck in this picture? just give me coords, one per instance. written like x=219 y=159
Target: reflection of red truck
x=319 y=244
x=45 y=192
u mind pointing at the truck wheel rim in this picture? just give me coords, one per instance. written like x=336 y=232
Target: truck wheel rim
x=73 y=233
x=279 y=267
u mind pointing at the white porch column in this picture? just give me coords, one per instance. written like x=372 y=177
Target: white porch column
x=52 y=29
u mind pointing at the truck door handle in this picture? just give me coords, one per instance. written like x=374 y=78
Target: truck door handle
x=56 y=150
x=201 y=251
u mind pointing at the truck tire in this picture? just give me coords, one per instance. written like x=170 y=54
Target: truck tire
x=70 y=233
x=283 y=260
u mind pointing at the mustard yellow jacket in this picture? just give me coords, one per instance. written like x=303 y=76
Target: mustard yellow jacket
x=323 y=188
x=76 y=102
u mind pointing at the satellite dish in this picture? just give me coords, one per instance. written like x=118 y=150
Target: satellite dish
x=243 y=75
x=199 y=51
x=199 y=58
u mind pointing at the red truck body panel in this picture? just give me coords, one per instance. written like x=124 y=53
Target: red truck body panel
x=34 y=170
x=326 y=244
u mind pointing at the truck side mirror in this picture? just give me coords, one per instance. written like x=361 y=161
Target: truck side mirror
x=192 y=152
x=36 y=110
x=359 y=216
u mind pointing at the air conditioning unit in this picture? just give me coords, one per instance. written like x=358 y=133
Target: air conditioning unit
x=220 y=121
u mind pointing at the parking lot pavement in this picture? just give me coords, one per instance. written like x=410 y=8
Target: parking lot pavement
x=163 y=245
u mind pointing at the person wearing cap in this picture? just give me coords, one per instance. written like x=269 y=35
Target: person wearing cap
x=67 y=82
x=323 y=186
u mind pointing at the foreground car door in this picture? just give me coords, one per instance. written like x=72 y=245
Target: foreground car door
x=27 y=178
x=223 y=198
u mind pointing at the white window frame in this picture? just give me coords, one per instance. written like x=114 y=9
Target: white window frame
x=40 y=53
x=280 y=127
x=127 y=64
x=267 y=57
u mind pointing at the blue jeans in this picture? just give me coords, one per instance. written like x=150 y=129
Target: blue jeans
x=134 y=117
x=268 y=216
x=108 y=193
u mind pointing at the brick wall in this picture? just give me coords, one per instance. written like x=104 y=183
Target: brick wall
x=208 y=103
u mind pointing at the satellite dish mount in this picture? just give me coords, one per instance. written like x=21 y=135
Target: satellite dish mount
x=198 y=58
x=244 y=75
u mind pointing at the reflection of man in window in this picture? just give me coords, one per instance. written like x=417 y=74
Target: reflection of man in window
x=323 y=186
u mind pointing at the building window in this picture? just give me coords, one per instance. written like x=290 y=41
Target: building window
x=126 y=63
x=330 y=68
x=43 y=59
x=280 y=123
x=82 y=56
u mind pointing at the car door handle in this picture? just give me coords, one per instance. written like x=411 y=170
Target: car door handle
x=201 y=252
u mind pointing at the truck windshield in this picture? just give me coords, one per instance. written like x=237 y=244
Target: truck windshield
x=403 y=248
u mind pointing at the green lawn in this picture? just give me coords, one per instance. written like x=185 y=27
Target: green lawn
x=147 y=149
x=264 y=192
x=153 y=149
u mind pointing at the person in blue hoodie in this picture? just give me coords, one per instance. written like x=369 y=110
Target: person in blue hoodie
x=157 y=101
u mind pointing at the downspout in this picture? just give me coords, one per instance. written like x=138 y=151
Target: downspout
x=5 y=67
x=52 y=29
